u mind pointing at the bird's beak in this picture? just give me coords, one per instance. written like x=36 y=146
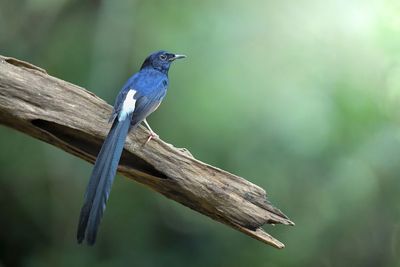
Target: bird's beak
x=177 y=57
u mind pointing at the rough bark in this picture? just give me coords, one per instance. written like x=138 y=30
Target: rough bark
x=76 y=120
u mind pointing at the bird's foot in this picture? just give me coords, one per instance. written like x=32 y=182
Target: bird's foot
x=152 y=135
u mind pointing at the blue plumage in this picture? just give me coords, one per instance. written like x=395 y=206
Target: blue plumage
x=139 y=97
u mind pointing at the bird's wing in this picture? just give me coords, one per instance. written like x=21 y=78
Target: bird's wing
x=147 y=103
x=149 y=89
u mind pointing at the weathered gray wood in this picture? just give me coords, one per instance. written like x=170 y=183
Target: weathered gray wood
x=75 y=120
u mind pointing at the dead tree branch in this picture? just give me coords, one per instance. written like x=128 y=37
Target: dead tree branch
x=75 y=120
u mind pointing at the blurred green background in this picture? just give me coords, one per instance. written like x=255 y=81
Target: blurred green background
x=299 y=97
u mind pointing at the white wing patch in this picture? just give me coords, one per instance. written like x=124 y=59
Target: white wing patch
x=128 y=106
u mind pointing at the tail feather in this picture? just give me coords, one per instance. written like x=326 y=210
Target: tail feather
x=101 y=181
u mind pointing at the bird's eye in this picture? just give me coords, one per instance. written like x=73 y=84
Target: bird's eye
x=163 y=57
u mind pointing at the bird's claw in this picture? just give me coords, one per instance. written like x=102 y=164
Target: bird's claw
x=152 y=135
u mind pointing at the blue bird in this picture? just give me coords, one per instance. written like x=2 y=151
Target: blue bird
x=139 y=97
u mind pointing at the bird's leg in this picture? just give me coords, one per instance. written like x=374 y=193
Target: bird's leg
x=152 y=133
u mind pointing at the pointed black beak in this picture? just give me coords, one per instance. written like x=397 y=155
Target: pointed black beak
x=177 y=57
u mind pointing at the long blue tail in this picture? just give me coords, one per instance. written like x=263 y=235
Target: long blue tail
x=101 y=180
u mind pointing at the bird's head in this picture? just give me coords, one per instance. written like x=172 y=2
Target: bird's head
x=160 y=60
